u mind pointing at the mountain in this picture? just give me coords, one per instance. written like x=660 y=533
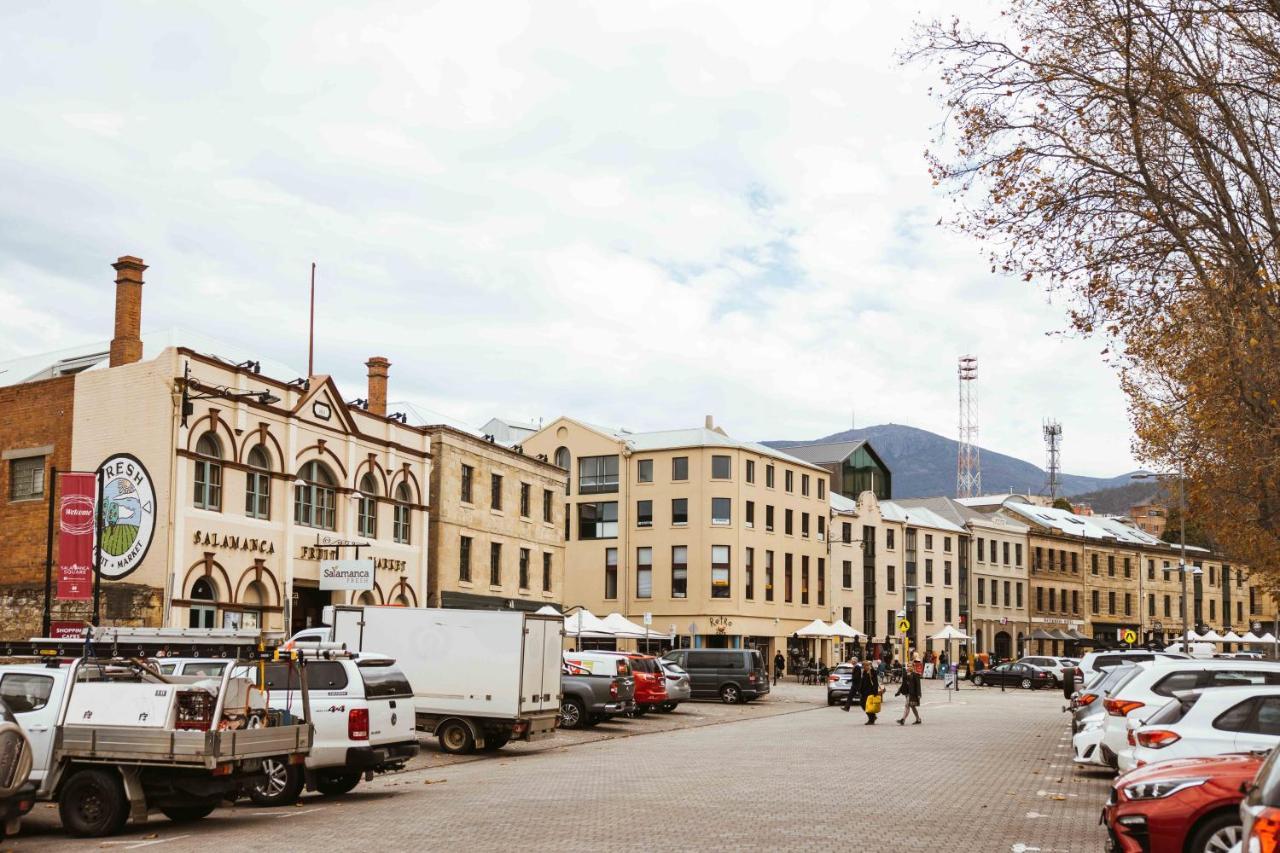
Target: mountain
x=1118 y=499
x=924 y=464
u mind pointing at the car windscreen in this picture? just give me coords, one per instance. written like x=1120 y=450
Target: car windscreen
x=321 y=675
x=382 y=680
x=1116 y=660
x=648 y=665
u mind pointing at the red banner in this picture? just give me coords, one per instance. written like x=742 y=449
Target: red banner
x=75 y=536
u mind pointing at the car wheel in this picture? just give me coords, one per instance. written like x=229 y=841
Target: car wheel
x=493 y=743
x=730 y=694
x=183 y=814
x=831 y=700
x=455 y=738
x=333 y=784
x=93 y=804
x=637 y=711
x=572 y=714
x=977 y=681
x=1025 y=684
x=1218 y=834
x=282 y=785
x=595 y=719
x=668 y=707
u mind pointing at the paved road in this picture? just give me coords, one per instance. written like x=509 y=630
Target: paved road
x=987 y=771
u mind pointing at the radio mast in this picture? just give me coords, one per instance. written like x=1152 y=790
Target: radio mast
x=1053 y=457
x=968 y=467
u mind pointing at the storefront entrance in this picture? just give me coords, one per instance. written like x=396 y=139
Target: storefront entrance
x=308 y=607
x=1004 y=646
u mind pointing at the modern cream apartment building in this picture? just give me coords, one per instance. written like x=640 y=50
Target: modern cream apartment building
x=720 y=543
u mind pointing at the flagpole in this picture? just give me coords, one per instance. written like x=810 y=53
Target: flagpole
x=311 y=332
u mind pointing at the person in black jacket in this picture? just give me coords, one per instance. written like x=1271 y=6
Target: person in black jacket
x=910 y=688
x=865 y=684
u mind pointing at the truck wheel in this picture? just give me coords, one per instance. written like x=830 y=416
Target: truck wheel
x=455 y=738
x=336 y=784
x=93 y=804
x=182 y=814
x=495 y=742
x=668 y=707
x=730 y=694
x=572 y=714
x=282 y=785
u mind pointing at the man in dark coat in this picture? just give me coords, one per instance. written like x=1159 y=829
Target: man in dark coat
x=864 y=684
x=778 y=663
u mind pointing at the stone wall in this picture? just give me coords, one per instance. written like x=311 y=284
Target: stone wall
x=123 y=604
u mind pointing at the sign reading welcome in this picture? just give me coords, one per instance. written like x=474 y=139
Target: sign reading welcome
x=346 y=574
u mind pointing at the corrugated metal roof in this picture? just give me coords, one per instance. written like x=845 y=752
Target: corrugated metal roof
x=699 y=437
x=822 y=454
x=1088 y=526
x=920 y=516
x=842 y=504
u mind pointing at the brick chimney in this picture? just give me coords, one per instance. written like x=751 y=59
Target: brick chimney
x=126 y=346
x=378 y=384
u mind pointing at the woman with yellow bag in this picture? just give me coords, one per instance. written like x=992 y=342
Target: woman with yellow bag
x=867 y=685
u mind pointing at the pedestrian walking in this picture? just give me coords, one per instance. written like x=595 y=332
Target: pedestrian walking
x=911 y=689
x=778 y=663
x=867 y=686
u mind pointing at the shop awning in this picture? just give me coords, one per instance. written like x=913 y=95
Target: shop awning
x=1041 y=634
x=1073 y=634
x=815 y=629
x=1062 y=635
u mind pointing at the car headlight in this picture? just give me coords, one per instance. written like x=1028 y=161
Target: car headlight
x=1157 y=790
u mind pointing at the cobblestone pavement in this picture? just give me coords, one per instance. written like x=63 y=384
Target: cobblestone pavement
x=987 y=771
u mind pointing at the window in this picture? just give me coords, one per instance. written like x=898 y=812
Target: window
x=1126 y=568
x=804 y=524
x=888 y=538
x=804 y=485
x=644 y=573
x=1111 y=603
x=467 y=476
x=1167 y=611
x=597 y=474
x=749 y=570
x=679 y=571
x=257 y=484
x=495 y=564
x=1165 y=570
x=1151 y=604
x=679 y=468
x=1093 y=601
x=721 y=468
x=367 y=507
x=750 y=473
x=846 y=574
x=1075 y=599
x=1053 y=599
x=822 y=488
x=644 y=513
x=720 y=571
x=946 y=573
x=981 y=550
x=1111 y=565
x=1005 y=550
x=822 y=581
x=786 y=578
x=524 y=500
x=1017 y=554
x=749 y=517
x=524 y=568
x=928 y=571
x=982 y=590
x=402 y=515
x=1039 y=598
x=208 y=475
x=946 y=610
x=768 y=476
x=804 y=579
x=1151 y=570
x=768 y=518
x=789 y=479
x=768 y=576
x=598 y=520
x=546 y=572
x=1213 y=609
x=314 y=500
x=995 y=595
x=890 y=580
x=567 y=517
x=202 y=615
x=1093 y=563
x=1075 y=562
x=679 y=510
x=788 y=516
x=720 y=511
x=464 y=559
x=846 y=533
x=495 y=491
x=644 y=471
x=822 y=527
x=928 y=541
x=24 y=692
x=611 y=573
x=946 y=544
x=928 y=608
x=26 y=478
x=547 y=511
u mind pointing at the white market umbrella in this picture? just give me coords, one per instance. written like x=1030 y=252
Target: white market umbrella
x=547 y=610
x=1211 y=636
x=584 y=623
x=1267 y=638
x=841 y=628
x=620 y=626
x=817 y=629
x=947 y=634
x=1232 y=637
x=1250 y=637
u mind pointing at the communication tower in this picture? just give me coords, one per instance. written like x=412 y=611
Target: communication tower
x=1053 y=457
x=968 y=468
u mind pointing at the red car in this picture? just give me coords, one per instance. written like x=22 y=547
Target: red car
x=1190 y=804
x=651 y=681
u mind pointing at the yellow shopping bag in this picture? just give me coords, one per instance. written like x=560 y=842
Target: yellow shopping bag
x=873 y=704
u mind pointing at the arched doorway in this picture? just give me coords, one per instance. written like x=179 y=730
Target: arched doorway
x=366 y=599
x=1004 y=645
x=201 y=615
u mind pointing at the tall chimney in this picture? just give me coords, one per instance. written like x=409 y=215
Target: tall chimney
x=710 y=422
x=126 y=346
x=378 y=384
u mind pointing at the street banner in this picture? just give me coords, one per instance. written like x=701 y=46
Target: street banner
x=75 y=536
x=346 y=574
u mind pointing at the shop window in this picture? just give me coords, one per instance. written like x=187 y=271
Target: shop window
x=402 y=516
x=208 y=478
x=257 y=484
x=201 y=614
x=367 y=510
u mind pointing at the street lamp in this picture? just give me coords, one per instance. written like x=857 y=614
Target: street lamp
x=1182 y=537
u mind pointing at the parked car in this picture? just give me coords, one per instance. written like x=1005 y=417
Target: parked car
x=838 y=683
x=678 y=688
x=734 y=675
x=587 y=698
x=1056 y=665
x=1089 y=718
x=1190 y=805
x=651 y=681
x=1015 y=675
x=1207 y=722
x=1260 y=808
x=1094 y=661
x=1152 y=685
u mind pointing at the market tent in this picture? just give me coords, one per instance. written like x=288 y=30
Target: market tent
x=620 y=626
x=817 y=629
x=841 y=628
x=1231 y=637
x=584 y=623
x=547 y=610
x=947 y=634
x=1250 y=637
x=1211 y=636
x=1078 y=637
x=1041 y=634
x=1267 y=638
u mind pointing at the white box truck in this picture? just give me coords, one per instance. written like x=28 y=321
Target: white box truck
x=480 y=677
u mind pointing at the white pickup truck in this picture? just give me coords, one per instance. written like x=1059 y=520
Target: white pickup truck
x=113 y=740
x=480 y=677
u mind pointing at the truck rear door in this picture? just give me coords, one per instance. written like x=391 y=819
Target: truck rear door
x=390 y=701
x=540 y=666
x=35 y=697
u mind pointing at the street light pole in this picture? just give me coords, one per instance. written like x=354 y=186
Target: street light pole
x=1182 y=545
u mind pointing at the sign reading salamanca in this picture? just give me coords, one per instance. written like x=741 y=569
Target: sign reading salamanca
x=346 y=574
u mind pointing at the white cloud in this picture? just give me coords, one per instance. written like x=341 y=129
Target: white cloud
x=635 y=213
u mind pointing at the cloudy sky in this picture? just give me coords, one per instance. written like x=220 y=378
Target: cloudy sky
x=637 y=214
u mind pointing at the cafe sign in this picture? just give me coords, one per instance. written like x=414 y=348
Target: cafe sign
x=346 y=574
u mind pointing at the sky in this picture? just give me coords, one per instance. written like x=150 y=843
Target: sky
x=635 y=214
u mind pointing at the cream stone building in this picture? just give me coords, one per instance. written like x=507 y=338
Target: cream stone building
x=713 y=541
x=496 y=529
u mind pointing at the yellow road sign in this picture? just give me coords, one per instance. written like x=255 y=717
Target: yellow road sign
x=904 y=626
x=1130 y=636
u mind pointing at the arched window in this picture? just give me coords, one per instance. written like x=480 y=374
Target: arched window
x=313 y=497
x=402 y=518
x=257 y=488
x=253 y=598
x=202 y=615
x=208 y=480
x=366 y=598
x=367 y=514
x=402 y=600
x=564 y=460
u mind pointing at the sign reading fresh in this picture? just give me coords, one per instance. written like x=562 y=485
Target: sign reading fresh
x=346 y=574
x=128 y=515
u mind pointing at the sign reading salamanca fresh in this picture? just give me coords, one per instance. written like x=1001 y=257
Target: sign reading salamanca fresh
x=346 y=574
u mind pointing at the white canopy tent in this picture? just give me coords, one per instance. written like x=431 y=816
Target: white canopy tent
x=620 y=626
x=815 y=630
x=584 y=623
x=547 y=610
x=947 y=634
x=841 y=628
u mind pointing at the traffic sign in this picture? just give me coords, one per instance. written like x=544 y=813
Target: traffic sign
x=1130 y=636
x=904 y=625
x=648 y=618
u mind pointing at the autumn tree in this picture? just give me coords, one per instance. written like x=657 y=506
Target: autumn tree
x=1123 y=155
